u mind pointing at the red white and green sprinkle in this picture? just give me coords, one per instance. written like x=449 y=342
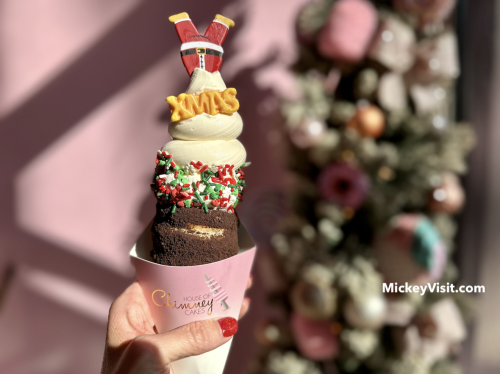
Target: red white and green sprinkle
x=197 y=185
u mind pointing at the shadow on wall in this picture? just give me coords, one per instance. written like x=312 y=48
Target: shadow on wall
x=137 y=43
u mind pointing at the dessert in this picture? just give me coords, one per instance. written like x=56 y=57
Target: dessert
x=198 y=180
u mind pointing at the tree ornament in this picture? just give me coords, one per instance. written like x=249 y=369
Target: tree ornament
x=426 y=325
x=314 y=301
x=436 y=333
x=391 y=92
x=349 y=29
x=427 y=10
x=436 y=58
x=362 y=343
x=410 y=250
x=439 y=123
x=271 y=333
x=368 y=121
x=365 y=312
x=322 y=153
x=289 y=362
x=429 y=98
x=314 y=339
x=393 y=45
x=449 y=197
x=308 y=132
x=344 y=185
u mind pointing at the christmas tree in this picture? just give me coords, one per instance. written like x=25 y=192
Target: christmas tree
x=374 y=155
x=219 y=294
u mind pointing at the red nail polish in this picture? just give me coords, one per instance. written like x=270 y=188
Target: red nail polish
x=251 y=277
x=229 y=326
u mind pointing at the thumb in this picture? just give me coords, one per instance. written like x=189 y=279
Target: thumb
x=192 y=339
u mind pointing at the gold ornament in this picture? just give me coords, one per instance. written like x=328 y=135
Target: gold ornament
x=368 y=121
x=385 y=173
x=348 y=213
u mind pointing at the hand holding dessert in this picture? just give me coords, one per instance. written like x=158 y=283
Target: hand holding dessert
x=192 y=263
x=134 y=347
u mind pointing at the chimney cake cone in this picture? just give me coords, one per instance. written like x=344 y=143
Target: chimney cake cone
x=198 y=179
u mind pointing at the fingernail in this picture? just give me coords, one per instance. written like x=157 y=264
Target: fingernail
x=251 y=276
x=228 y=326
x=247 y=299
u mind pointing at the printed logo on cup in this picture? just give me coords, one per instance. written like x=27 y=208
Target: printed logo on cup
x=198 y=304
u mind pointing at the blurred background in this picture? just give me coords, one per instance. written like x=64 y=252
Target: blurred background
x=82 y=113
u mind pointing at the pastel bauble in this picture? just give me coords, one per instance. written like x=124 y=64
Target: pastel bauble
x=410 y=250
x=365 y=312
x=348 y=31
x=314 y=339
x=449 y=197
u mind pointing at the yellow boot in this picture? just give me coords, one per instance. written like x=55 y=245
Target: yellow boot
x=228 y=22
x=179 y=16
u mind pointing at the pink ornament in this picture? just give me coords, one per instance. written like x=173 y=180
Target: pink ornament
x=349 y=29
x=314 y=339
x=449 y=196
x=308 y=133
x=428 y=10
x=344 y=185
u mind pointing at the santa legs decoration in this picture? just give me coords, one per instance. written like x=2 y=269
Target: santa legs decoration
x=201 y=51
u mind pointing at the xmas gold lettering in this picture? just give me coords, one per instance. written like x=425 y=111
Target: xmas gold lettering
x=187 y=106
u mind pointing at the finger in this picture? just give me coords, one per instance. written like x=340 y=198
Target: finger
x=129 y=316
x=244 y=307
x=192 y=339
x=250 y=281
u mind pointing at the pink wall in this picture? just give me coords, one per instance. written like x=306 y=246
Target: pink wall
x=82 y=112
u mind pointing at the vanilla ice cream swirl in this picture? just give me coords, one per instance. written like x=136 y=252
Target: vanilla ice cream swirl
x=210 y=139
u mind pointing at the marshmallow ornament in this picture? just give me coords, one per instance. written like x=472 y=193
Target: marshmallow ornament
x=436 y=333
x=436 y=58
x=393 y=45
x=365 y=312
